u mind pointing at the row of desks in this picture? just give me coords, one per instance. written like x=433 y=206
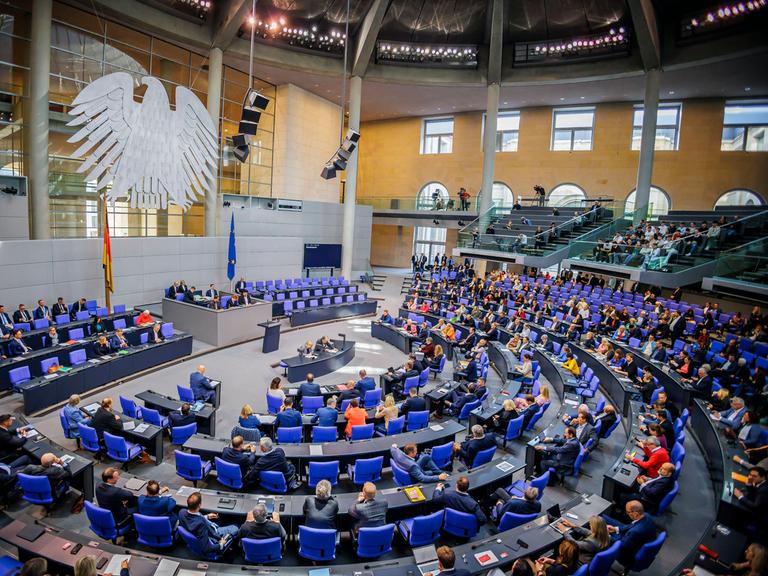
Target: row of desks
x=333 y=312
x=297 y=367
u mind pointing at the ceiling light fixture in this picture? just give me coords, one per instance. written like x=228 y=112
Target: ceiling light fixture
x=718 y=16
x=615 y=40
x=421 y=55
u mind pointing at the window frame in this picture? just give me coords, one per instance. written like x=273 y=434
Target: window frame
x=507 y=113
x=437 y=245
x=574 y=110
x=549 y=194
x=662 y=105
x=757 y=195
x=424 y=123
x=634 y=201
x=745 y=126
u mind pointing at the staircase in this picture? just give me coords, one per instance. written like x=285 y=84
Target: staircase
x=377 y=282
x=405 y=288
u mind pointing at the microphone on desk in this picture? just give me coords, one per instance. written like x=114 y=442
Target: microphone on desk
x=343 y=339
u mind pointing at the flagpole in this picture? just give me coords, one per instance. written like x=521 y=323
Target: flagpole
x=105 y=228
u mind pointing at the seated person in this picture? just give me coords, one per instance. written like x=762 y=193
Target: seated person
x=459 y=499
x=73 y=415
x=428 y=349
x=144 y=319
x=52 y=338
x=320 y=510
x=244 y=456
x=202 y=386
x=16 y=346
x=754 y=497
x=309 y=388
x=528 y=504
x=386 y=411
x=731 y=418
x=350 y=392
x=590 y=540
x=182 y=417
x=475 y=443
x=524 y=370
x=307 y=350
x=651 y=491
x=560 y=455
x=259 y=525
x=469 y=373
x=456 y=400
x=608 y=419
x=572 y=365
x=406 y=371
x=355 y=416
x=385 y=317
x=365 y=384
x=118 y=340
x=54 y=468
x=655 y=456
x=326 y=415
x=641 y=530
x=367 y=511
x=105 y=420
x=563 y=563
x=325 y=345
x=156 y=334
x=414 y=402
x=421 y=469
x=500 y=421
x=248 y=418
x=101 y=346
x=446 y=561
x=211 y=537
x=437 y=357
x=153 y=504
x=273 y=459
x=119 y=501
x=288 y=417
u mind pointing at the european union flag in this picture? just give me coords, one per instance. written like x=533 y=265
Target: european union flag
x=232 y=258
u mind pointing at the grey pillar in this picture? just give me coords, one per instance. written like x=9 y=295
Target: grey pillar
x=215 y=69
x=350 y=190
x=489 y=147
x=647 y=144
x=36 y=129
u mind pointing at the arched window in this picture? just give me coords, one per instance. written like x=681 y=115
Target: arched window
x=739 y=198
x=501 y=194
x=658 y=199
x=566 y=195
x=432 y=196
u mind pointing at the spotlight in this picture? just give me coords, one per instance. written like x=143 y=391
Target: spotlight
x=436 y=222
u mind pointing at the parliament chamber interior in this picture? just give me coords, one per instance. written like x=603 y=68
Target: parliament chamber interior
x=274 y=298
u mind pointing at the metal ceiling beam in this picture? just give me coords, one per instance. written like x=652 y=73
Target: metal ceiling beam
x=230 y=17
x=496 y=44
x=366 y=38
x=646 y=32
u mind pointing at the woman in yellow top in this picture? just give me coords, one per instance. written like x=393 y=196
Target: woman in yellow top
x=571 y=365
x=449 y=332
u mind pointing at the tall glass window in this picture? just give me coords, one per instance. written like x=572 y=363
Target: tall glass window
x=507 y=130
x=744 y=127
x=667 y=127
x=739 y=198
x=572 y=128
x=432 y=196
x=429 y=241
x=658 y=200
x=437 y=136
x=501 y=194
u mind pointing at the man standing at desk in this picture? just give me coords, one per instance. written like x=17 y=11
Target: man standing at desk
x=11 y=443
x=202 y=387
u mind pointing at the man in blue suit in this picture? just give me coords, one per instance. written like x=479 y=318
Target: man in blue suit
x=309 y=388
x=201 y=385
x=459 y=499
x=16 y=346
x=641 y=530
x=273 y=460
x=446 y=560
x=365 y=384
x=414 y=402
x=288 y=417
x=182 y=417
x=42 y=311
x=152 y=504
x=562 y=454
x=242 y=455
x=326 y=415
x=211 y=537
x=653 y=490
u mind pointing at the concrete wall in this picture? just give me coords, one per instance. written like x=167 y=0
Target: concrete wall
x=14 y=217
x=319 y=222
x=306 y=136
x=142 y=267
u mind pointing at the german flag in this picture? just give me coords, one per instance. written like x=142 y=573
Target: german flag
x=106 y=256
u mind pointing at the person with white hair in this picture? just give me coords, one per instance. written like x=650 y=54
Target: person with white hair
x=320 y=510
x=273 y=459
x=259 y=525
x=655 y=456
x=731 y=418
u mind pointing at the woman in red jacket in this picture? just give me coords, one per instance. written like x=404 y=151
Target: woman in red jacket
x=655 y=456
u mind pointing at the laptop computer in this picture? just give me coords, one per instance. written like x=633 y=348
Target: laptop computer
x=555 y=521
x=426 y=559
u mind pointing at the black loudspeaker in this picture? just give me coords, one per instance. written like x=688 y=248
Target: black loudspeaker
x=241 y=152
x=329 y=172
x=353 y=135
x=240 y=140
x=339 y=163
x=343 y=154
x=253 y=105
x=256 y=100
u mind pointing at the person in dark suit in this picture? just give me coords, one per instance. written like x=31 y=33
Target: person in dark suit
x=350 y=393
x=288 y=417
x=528 y=504
x=104 y=420
x=182 y=417
x=754 y=497
x=273 y=459
x=530 y=411
x=211 y=292
x=469 y=373
x=414 y=402
x=16 y=346
x=459 y=499
x=119 y=501
x=79 y=306
x=189 y=295
x=101 y=346
x=477 y=442
x=11 y=442
x=309 y=388
x=653 y=490
x=562 y=454
x=457 y=400
x=243 y=455
x=153 y=504
x=702 y=384
x=365 y=383
x=327 y=415
x=22 y=315
x=386 y=318
x=42 y=312
x=446 y=560
x=259 y=526
x=156 y=335
x=211 y=537
x=5 y=319
x=369 y=512
x=240 y=285
x=641 y=530
x=118 y=341
x=201 y=385
x=676 y=326
x=54 y=468
x=174 y=289
x=60 y=308
x=607 y=418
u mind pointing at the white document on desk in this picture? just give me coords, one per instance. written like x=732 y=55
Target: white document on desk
x=166 y=568
x=436 y=427
x=114 y=564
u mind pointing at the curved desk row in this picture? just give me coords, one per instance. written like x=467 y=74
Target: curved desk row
x=205 y=417
x=346 y=452
x=333 y=312
x=297 y=367
x=537 y=535
x=393 y=335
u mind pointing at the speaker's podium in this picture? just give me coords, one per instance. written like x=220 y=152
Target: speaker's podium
x=271 y=340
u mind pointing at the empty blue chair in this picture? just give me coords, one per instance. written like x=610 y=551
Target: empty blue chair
x=410 y=382
x=323 y=471
x=153 y=417
x=18 y=376
x=362 y=432
x=344 y=405
x=511 y=520
x=441 y=455
x=310 y=404
x=417 y=420
x=273 y=481
x=395 y=425
x=185 y=394
x=78 y=333
x=154 y=531
x=264 y=551
x=483 y=457
x=536 y=417
x=91 y=305
x=37 y=489
x=402 y=478
x=667 y=500
x=582 y=571
x=119 y=323
x=167 y=329
x=77 y=357
x=602 y=561
x=10 y=566
x=180 y=434
x=460 y=524
x=677 y=454
x=129 y=407
x=179 y=297
x=273 y=404
x=421 y=530
x=118 y=448
x=61 y=319
x=84 y=315
x=229 y=474
x=194 y=546
x=41 y=323
x=102 y=523
x=375 y=542
x=289 y=435
x=23 y=326
x=324 y=434
x=89 y=438
x=467 y=408
x=191 y=467
x=118 y=309
x=647 y=554
x=514 y=429
x=365 y=470
x=372 y=398
x=318 y=544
